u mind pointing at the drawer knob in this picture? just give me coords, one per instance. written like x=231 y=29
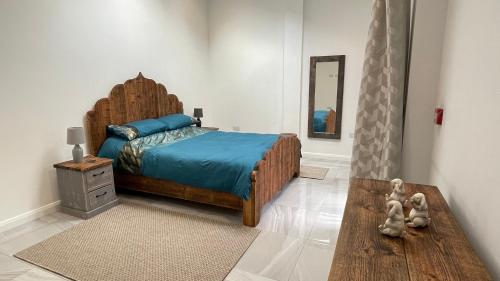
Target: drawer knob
x=99 y=174
x=97 y=196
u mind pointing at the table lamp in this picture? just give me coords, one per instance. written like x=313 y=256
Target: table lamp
x=76 y=136
x=198 y=112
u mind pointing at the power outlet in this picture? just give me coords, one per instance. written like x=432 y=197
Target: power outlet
x=236 y=128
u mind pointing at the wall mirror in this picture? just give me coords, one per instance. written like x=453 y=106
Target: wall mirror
x=326 y=89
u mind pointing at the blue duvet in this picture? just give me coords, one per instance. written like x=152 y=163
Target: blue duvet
x=219 y=161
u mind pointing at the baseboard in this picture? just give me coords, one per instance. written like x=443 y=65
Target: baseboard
x=326 y=155
x=29 y=216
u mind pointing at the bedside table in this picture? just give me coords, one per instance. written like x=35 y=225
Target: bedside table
x=211 y=128
x=86 y=189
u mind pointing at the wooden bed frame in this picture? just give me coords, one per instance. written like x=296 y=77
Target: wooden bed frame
x=141 y=98
x=330 y=122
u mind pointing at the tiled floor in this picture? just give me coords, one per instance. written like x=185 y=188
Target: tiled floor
x=297 y=240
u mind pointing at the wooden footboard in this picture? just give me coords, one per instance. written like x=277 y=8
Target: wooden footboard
x=278 y=167
x=330 y=122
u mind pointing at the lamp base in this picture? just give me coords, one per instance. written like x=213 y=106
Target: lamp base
x=198 y=122
x=77 y=154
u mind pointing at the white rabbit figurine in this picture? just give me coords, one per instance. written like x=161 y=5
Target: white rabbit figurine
x=398 y=191
x=419 y=215
x=394 y=226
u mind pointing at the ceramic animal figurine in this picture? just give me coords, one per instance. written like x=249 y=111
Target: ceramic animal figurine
x=398 y=191
x=394 y=226
x=419 y=215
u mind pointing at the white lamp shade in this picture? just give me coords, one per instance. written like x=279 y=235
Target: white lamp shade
x=76 y=135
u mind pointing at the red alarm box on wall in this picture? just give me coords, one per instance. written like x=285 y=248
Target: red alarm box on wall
x=438 y=116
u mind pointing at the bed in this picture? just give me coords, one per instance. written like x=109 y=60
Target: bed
x=324 y=121
x=259 y=171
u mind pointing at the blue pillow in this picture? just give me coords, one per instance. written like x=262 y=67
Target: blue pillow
x=148 y=127
x=177 y=121
x=137 y=129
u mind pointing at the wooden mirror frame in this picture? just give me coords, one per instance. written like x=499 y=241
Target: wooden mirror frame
x=340 y=93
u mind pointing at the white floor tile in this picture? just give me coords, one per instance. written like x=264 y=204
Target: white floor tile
x=326 y=230
x=334 y=202
x=11 y=267
x=288 y=220
x=27 y=240
x=309 y=186
x=25 y=228
x=239 y=275
x=39 y=275
x=313 y=265
x=303 y=197
x=343 y=173
x=272 y=255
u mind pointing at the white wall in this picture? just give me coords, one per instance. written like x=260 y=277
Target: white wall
x=292 y=61
x=259 y=63
x=465 y=158
x=335 y=27
x=58 y=57
x=249 y=70
x=246 y=64
x=250 y=44
x=428 y=34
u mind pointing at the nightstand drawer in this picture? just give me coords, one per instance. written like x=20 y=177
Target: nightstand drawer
x=101 y=196
x=99 y=177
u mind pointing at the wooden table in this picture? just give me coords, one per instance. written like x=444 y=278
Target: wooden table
x=438 y=252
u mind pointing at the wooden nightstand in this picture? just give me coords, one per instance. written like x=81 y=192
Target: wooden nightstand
x=211 y=128
x=86 y=189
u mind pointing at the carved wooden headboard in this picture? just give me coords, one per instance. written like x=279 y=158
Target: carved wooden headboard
x=136 y=99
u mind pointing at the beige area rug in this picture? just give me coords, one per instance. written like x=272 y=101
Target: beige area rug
x=137 y=242
x=313 y=172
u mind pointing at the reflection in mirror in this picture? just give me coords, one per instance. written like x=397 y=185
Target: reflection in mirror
x=325 y=96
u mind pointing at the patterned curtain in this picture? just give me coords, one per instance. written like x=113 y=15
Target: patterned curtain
x=379 y=121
